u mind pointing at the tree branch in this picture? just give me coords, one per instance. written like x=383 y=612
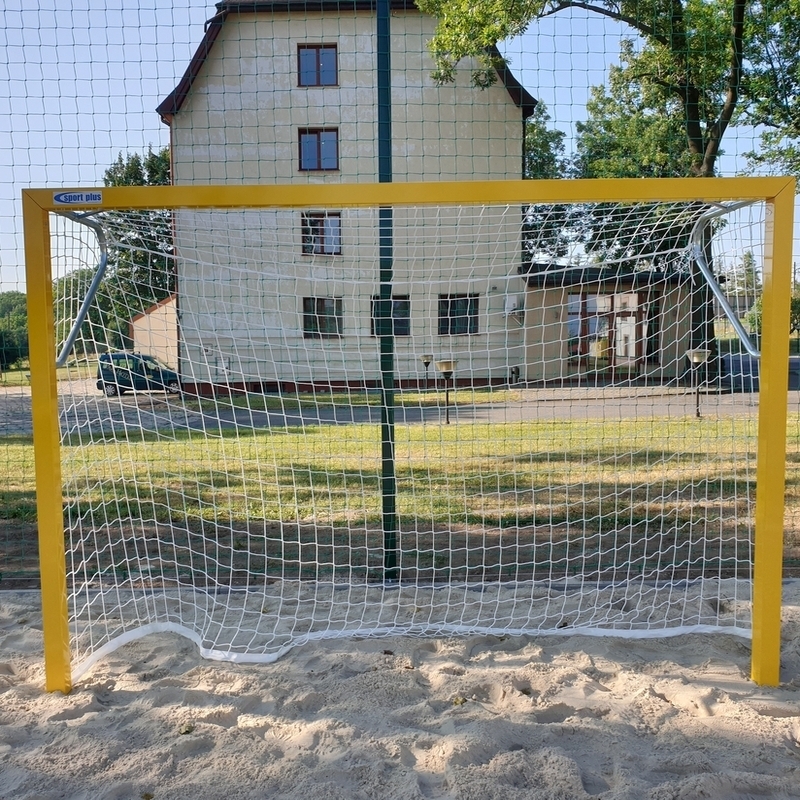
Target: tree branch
x=718 y=129
x=636 y=24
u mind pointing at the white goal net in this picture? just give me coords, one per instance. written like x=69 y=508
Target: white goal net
x=291 y=424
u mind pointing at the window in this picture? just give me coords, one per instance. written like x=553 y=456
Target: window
x=322 y=317
x=322 y=234
x=623 y=327
x=319 y=148
x=316 y=65
x=458 y=314
x=588 y=324
x=401 y=315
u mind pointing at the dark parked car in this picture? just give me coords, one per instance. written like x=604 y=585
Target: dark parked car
x=739 y=372
x=121 y=372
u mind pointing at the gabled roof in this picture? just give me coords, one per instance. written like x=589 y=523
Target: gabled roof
x=553 y=276
x=173 y=102
x=154 y=307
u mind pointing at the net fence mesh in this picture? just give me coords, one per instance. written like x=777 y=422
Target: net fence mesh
x=558 y=463
x=559 y=479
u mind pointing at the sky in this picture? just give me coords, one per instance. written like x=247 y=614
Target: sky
x=79 y=83
x=80 y=80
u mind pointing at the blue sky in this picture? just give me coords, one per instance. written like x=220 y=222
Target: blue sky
x=80 y=80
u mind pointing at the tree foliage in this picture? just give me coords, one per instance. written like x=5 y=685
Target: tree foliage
x=140 y=265
x=102 y=329
x=547 y=229
x=743 y=277
x=133 y=170
x=543 y=147
x=692 y=69
x=629 y=132
x=13 y=329
x=772 y=85
x=689 y=50
x=754 y=316
x=632 y=130
x=470 y=28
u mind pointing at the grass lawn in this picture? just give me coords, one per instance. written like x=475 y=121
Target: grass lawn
x=496 y=498
x=76 y=370
x=17 y=376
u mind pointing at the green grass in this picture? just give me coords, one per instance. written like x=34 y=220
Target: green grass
x=479 y=473
x=481 y=496
x=17 y=486
x=74 y=370
x=16 y=376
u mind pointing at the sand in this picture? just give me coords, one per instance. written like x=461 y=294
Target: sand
x=471 y=718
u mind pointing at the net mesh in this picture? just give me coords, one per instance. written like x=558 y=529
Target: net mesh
x=568 y=325
x=558 y=463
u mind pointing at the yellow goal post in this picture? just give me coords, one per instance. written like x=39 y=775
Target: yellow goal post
x=778 y=194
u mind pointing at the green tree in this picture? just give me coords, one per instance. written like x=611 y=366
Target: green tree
x=543 y=147
x=140 y=269
x=547 y=231
x=102 y=328
x=632 y=130
x=772 y=85
x=743 y=278
x=754 y=316
x=140 y=264
x=692 y=50
x=13 y=329
x=133 y=170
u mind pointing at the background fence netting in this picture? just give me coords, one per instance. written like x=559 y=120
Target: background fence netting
x=544 y=456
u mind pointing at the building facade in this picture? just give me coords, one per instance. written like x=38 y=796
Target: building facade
x=287 y=93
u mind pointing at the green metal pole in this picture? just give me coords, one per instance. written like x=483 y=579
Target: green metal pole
x=386 y=277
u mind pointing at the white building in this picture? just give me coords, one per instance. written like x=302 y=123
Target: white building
x=155 y=331
x=286 y=92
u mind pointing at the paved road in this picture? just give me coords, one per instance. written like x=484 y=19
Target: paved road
x=84 y=409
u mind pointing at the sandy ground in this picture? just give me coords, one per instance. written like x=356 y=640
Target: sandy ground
x=471 y=718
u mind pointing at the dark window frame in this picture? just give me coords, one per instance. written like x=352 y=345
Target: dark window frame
x=592 y=323
x=318 y=322
x=319 y=71
x=317 y=164
x=317 y=238
x=652 y=330
x=452 y=320
x=401 y=323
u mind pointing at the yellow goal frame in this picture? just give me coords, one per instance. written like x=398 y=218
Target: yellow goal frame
x=778 y=193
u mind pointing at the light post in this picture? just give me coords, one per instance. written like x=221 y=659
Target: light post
x=697 y=356
x=447 y=368
x=426 y=359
